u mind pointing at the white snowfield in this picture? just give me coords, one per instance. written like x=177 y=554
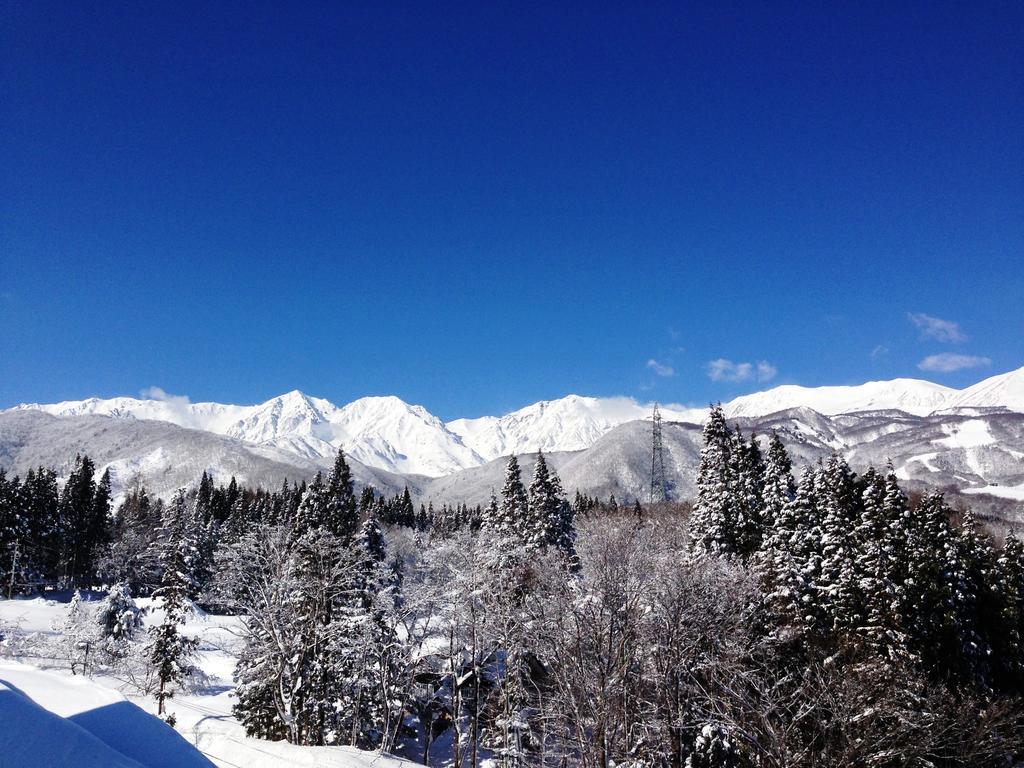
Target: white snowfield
x=56 y=720
x=48 y=717
x=388 y=433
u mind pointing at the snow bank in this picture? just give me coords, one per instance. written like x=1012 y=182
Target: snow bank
x=73 y=721
x=33 y=736
x=236 y=752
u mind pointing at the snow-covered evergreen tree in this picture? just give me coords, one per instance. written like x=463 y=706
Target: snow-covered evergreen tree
x=746 y=480
x=405 y=512
x=880 y=540
x=14 y=531
x=119 y=619
x=371 y=652
x=509 y=519
x=838 y=588
x=973 y=578
x=712 y=523
x=77 y=499
x=779 y=488
x=795 y=555
x=170 y=652
x=312 y=511
x=549 y=522
x=560 y=524
x=540 y=506
x=40 y=502
x=132 y=557
x=931 y=605
x=1007 y=581
x=341 y=510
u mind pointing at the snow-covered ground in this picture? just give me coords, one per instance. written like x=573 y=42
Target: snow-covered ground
x=60 y=719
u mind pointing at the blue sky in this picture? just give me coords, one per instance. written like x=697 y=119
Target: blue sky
x=477 y=206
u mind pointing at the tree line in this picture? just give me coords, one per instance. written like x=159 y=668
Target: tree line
x=826 y=622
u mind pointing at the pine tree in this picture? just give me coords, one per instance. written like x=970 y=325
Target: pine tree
x=406 y=512
x=931 y=607
x=289 y=681
x=312 y=511
x=170 y=652
x=13 y=535
x=779 y=487
x=120 y=620
x=76 y=510
x=341 y=508
x=132 y=556
x=549 y=521
x=838 y=588
x=899 y=531
x=746 y=480
x=973 y=577
x=100 y=521
x=560 y=525
x=794 y=556
x=367 y=502
x=490 y=520
x=541 y=509
x=512 y=512
x=40 y=502
x=712 y=523
x=205 y=532
x=1008 y=631
x=204 y=498
x=230 y=495
x=372 y=648
x=879 y=537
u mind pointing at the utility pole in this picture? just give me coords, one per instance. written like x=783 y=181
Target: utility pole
x=659 y=484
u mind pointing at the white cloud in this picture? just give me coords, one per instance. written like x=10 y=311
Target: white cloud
x=178 y=402
x=936 y=328
x=947 y=362
x=661 y=369
x=766 y=371
x=880 y=351
x=723 y=369
x=726 y=370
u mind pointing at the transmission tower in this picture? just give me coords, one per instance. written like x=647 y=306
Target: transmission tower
x=659 y=485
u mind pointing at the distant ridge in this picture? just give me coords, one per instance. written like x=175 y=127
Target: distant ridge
x=389 y=434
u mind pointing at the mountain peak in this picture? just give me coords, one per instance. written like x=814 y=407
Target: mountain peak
x=385 y=432
x=913 y=396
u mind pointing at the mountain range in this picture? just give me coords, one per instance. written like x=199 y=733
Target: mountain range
x=970 y=439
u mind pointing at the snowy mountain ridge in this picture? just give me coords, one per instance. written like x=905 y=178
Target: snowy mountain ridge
x=387 y=433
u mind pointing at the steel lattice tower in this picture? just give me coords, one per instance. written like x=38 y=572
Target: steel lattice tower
x=659 y=484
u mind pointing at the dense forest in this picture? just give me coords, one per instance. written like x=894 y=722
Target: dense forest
x=826 y=622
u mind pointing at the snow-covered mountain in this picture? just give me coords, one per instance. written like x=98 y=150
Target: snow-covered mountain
x=908 y=395
x=381 y=432
x=571 y=423
x=389 y=434
x=1003 y=391
x=209 y=417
